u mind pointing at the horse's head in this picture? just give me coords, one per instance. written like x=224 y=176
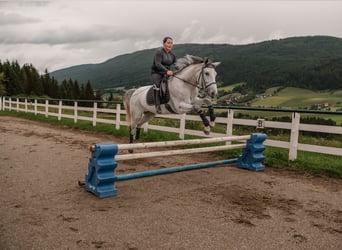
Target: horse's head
x=207 y=77
x=202 y=70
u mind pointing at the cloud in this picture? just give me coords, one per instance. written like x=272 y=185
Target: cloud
x=276 y=35
x=69 y=34
x=14 y=19
x=57 y=34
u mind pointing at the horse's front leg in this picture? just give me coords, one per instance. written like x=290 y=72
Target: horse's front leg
x=196 y=107
x=211 y=111
x=204 y=119
x=212 y=116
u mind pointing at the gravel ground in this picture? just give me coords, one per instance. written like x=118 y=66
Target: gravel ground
x=43 y=207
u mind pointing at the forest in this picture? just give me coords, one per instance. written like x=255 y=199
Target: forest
x=25 y=80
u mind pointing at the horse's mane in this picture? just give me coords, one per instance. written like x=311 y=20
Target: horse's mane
x=184 y=62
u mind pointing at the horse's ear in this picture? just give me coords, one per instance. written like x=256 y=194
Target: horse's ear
x=215 y=64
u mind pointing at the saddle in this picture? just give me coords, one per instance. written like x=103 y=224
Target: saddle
x=164 y=94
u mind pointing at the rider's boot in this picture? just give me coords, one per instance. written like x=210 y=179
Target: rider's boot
x=157 y=100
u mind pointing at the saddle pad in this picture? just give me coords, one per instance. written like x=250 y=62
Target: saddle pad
x=163 y=94
x=150 y=97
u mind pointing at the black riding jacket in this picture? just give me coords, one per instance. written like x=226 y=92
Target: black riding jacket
x=162 y=61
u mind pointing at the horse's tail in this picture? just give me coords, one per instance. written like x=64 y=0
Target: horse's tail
x=126 y=101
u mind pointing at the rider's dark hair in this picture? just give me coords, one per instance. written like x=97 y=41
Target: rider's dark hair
x=165 y=39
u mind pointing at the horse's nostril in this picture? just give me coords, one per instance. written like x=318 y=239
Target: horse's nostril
x=213 y=93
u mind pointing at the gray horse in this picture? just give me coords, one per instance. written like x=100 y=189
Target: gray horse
x=192 y=73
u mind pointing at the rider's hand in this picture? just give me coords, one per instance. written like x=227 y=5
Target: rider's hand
x=169 y=73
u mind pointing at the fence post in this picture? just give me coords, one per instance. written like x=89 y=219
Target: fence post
x=229 y=129
x=0 y=103
x=26 y=109
x=59 y=110
x=294 y=136
x=4 y=104
x=182 y=126
x=230 y=118
x=46 y=108
x=17 y=102
x=94 y=113
x=145 y=127
x=118 y=114
x=35 y=106
x=75 y=111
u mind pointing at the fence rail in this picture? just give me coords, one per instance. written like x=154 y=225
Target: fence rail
x=47 y=108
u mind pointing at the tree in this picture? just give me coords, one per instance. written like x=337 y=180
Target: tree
x=17 y=80
x=2 y=84
x=76 y=91
x=32 y=84
x=13 y=85
x=89 y=92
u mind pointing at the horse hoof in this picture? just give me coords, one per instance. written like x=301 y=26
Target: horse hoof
x=206 y=130
x=130 y=151
x=212 y=124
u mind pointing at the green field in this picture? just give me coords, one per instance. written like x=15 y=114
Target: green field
x=292 y=98
x=299 y=98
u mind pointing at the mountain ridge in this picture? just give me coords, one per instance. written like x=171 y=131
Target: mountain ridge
x=290 y=61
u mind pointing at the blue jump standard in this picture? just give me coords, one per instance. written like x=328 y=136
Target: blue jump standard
x=100 y=179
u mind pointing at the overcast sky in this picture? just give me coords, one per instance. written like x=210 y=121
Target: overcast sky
x=57 y=34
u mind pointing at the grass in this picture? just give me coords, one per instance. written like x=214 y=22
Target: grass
x=315 y=163
x=275 y=157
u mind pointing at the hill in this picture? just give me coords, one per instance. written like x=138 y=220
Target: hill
x=308 y=62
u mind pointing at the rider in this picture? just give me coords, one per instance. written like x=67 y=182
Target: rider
x=162 y=62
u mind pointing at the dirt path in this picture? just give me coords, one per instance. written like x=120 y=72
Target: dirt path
x=42 y=206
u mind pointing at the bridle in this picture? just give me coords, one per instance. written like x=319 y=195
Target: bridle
x=204 y=84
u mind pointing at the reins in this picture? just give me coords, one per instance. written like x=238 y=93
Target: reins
x=188 y=82
x=196 y=84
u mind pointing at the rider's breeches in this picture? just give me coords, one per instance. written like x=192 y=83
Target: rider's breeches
x=156 y=79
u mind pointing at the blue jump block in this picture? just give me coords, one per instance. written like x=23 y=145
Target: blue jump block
x=100 y=178
x=101 y=170
x=252 y=156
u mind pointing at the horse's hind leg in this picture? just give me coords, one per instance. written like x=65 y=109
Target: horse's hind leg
x=131 y=134
x=137 y=133
x=135 y=128
x=135 y=118
x=145 y=118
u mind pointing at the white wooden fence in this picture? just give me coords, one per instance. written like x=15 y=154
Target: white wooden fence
x=58 y=110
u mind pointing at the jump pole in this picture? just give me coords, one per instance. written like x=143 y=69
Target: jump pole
x=136 y=175
x=100 y=178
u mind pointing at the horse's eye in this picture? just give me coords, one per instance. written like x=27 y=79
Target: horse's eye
x=206 y=73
